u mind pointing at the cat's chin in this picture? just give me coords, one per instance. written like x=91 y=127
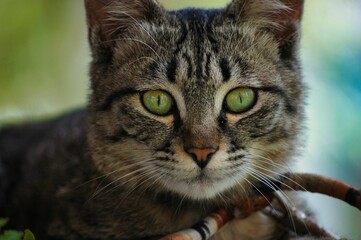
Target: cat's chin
x=199 y=188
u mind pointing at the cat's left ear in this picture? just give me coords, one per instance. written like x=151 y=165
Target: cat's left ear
x=109 y=20
x=280 y=17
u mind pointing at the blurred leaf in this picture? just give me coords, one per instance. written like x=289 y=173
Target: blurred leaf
x=11 y=235
x=28 y=235
x=3 y=222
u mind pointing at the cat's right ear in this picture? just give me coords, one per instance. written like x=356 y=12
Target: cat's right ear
x=279 y=17
x=109 y=20
x=100 y=27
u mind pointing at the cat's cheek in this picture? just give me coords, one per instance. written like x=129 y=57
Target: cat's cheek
x=232 y=119
x=271 y=159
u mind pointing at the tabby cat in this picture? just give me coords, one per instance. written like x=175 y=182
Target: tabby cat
x=189 y=109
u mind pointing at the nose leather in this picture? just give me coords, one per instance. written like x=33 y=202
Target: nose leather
x=201 y=156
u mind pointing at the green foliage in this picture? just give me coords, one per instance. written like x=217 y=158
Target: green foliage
x=13 y=234
x=3 y=222
x=35 y=37
x=28 y=235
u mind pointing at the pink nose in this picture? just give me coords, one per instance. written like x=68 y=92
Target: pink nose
x=201 y=156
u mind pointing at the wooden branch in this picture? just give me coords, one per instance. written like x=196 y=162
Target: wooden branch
x=316 y=184
x=288 y=182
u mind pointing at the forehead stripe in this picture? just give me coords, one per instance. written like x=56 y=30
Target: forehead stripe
x=225 y=69
x=188 y=59
x=172 y=70
x=183 y=36
x=207 y=66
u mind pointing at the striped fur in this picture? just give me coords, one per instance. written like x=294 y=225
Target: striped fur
x=118 y=171
x=197 y=56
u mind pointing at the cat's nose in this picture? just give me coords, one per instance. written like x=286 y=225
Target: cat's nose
x=201 y=156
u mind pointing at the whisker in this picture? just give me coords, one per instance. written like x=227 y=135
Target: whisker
x=140 y=182
x=107 y=174
x=94 y=179
x=270 y=184
x=177 y=210
x=289 y=201
x=134 y=162
x=265 y=181
x=270 y=161
x=256 y=188
x=118 y=180
x=155 y=181
x=281 y=175
x=141 y=179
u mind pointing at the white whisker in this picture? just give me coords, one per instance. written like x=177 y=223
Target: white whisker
x=117 y=180
x=268 y=183
x=278 y=174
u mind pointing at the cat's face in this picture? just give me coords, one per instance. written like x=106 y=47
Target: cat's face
x=198 y=103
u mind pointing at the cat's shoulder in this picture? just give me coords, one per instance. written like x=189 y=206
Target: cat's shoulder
x=35 y=150
x=68 y=127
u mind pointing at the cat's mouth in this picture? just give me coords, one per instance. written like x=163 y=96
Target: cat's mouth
x=202 y=178
x=203 y=186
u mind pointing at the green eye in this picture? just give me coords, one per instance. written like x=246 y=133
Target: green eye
x=157 y=102
x=240 y=100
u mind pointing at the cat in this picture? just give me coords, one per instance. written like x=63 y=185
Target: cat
x=188 y=110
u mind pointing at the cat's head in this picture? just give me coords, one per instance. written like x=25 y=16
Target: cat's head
x=201 y=103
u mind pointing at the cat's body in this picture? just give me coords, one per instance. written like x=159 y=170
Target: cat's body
x=53 y=185
x=131 y=167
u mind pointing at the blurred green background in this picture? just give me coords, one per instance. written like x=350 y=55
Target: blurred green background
x=44 y=58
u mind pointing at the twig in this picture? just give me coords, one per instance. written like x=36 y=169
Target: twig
x=288 y=182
